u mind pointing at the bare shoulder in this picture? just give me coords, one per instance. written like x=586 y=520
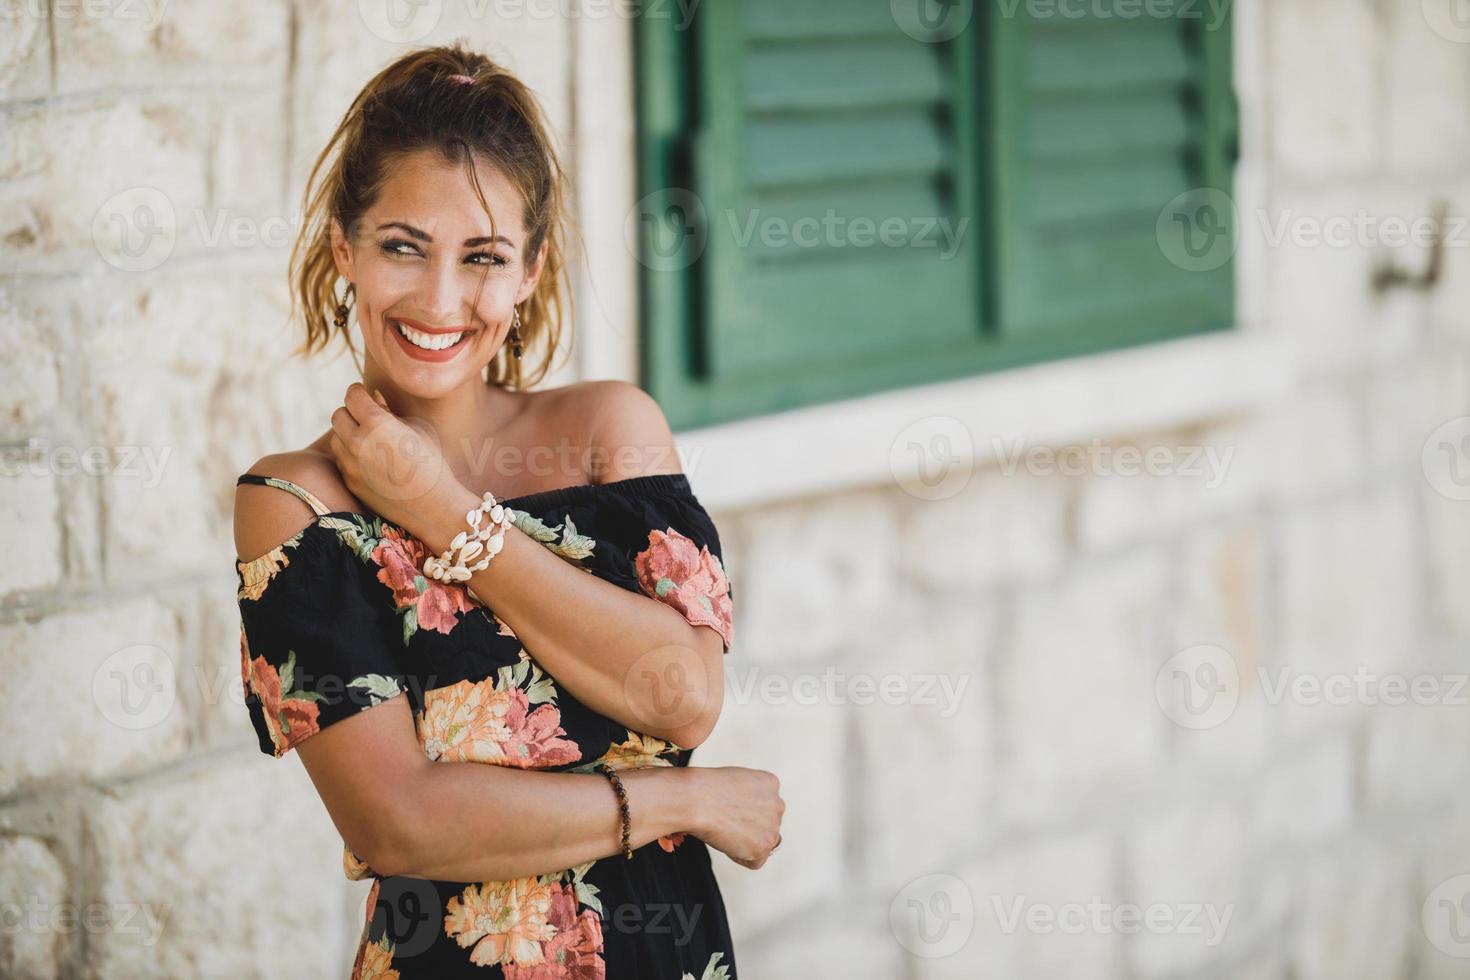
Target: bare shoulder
x=265 y=516
x=629 y=434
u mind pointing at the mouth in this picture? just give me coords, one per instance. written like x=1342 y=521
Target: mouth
x=431 y=345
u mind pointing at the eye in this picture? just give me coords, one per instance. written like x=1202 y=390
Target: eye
x=499 y=261
x=392 y=246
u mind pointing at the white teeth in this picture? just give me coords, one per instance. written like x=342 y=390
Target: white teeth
x=428 y=341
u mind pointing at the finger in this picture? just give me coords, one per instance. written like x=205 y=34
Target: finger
x=361 y=404
x=345 y=427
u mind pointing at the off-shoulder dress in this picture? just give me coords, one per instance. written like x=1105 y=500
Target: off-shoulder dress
x=339 y=619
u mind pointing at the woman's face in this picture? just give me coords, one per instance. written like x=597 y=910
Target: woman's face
x=418 y=260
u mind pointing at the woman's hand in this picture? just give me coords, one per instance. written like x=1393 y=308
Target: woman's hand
x=393 y=467
x=738 y=812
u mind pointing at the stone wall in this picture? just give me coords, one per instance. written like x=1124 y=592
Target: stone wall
x=1069 y=720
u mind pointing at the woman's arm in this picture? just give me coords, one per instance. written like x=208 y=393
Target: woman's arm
x=465 y=821
x=628 y=657
x=624 y=655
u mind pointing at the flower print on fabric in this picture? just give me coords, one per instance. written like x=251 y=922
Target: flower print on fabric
x=493 y=721
x=426 y=602
x=688 y=577
x=290 y=715
x=530 y=927
x=257 y=574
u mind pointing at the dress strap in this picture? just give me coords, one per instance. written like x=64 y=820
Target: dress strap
x=317 y=507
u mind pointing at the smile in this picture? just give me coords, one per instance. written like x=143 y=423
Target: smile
x=428 y=341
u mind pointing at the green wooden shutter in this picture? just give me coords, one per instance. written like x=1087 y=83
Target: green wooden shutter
x=1059 y=139
x=826 y=119
x=1101 y=121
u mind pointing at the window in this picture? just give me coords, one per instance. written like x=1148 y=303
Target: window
x=836 y=203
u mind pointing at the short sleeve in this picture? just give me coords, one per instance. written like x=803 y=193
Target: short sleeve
x=315 y=646
x=677 y=559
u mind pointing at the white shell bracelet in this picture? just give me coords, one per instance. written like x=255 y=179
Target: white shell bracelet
x=478 y=542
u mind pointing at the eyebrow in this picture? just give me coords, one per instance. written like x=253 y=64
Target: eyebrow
x=424 y=236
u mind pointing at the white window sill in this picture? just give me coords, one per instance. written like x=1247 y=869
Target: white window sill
x=848 y=444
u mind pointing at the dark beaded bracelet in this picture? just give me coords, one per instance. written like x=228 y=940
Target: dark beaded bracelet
x=612 y=775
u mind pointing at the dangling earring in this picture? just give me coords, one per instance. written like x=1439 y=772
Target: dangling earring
x=515 y=333
x=340 y=320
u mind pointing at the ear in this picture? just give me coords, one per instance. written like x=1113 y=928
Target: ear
x=342 y=252
x=533 y=274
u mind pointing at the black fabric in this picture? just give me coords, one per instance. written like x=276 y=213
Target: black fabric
x=338 y=619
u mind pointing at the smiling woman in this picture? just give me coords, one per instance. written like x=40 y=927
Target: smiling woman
x=574 y=657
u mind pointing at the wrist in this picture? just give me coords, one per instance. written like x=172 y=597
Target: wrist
x=444 y=516
x=663 y=801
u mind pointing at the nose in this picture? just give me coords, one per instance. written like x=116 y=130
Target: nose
x=443 y=297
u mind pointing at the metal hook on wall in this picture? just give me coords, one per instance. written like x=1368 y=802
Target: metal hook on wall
x=1388 y=275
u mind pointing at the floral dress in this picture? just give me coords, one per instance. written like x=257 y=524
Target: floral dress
x=339 y=618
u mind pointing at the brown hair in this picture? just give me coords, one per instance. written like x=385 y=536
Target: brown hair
x=416 y=103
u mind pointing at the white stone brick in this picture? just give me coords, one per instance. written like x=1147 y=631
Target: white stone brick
x=1349 y=604
x=25 y=55
x=30 y=379
x=847 y=941
x=925 y=752
x=31 y=553
x=1187 y=477
x=1306 y=795
x=815 y=575
x=1357 y=922
x=1446 y=842
x=1076 y=688
x=1002 y=528
x=1425 y=77
x=238 y=864
x=346 y=53
x=171 y=410
x=1045 y=882
x=802 y=743
x=80 y=703
x=1221 y=598
x=1324 y=245
x=1189 y=861
x=157 y=42
x=1324 y=97
x=1407 y=403
x=54 y=183
x=213 y=695
x=1448 y=523
x=248 y=163
x=35 y=938
x=1412 y=757
x=1316 y=441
